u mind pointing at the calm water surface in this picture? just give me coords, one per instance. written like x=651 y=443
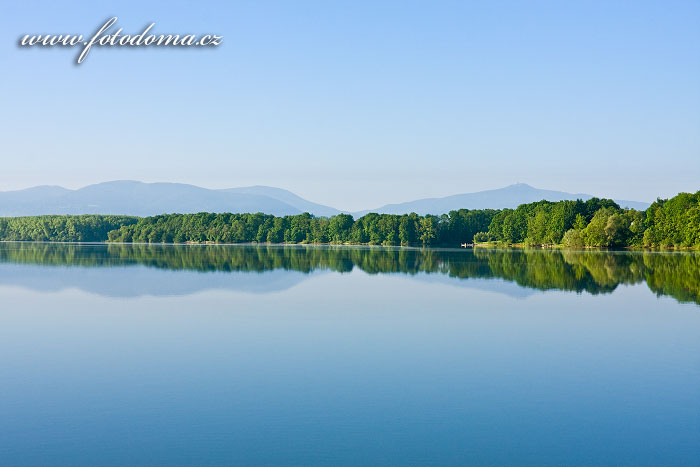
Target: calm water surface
x=244 y=355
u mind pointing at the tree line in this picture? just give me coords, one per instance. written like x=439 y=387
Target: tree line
x=594 y=223
x=85 y=228
x=597 y=222
x=371 y=229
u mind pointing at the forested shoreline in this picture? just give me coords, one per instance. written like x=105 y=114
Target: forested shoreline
x=672 y=223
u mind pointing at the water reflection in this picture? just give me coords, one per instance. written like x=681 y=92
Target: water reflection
x=595 y=272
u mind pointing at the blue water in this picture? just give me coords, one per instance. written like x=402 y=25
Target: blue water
x=136 y=363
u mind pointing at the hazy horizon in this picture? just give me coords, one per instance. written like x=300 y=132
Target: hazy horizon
x=361 y=103
x=377 y=204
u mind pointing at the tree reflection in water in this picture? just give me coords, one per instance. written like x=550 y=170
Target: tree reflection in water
x=674 y=274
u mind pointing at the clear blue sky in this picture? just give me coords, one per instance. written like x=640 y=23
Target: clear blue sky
x=356 y=104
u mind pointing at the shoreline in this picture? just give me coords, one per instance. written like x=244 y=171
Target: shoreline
x=523 y=246
x=484 y=245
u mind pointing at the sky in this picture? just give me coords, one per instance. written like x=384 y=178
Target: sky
x=356 y=104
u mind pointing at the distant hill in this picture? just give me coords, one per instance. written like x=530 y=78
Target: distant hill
x=147 y=199
x=286 y=197
x=508 y=197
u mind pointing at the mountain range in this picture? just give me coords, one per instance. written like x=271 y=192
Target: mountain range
x=147 y=199
x=508 y=197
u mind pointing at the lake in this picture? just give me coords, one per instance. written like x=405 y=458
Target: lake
x=316 y=355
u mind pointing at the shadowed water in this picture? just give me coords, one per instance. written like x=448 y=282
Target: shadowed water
x=309 y=355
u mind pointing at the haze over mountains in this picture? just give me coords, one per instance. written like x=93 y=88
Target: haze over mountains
x=147 y=199
x=507 y=197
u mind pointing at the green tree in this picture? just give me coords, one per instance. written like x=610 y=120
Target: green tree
x=428 y=229
x=573 y=239
x=339 y=228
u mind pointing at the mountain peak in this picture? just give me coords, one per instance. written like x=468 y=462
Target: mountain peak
x=521 y=186
x=510 y=197
x=132 y=197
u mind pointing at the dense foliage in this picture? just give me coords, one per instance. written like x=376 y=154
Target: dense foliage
x=372 y=229
x=575 y=224
x=546 y=222
x=673 y=222
x=599 y=223
x=87 y=228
